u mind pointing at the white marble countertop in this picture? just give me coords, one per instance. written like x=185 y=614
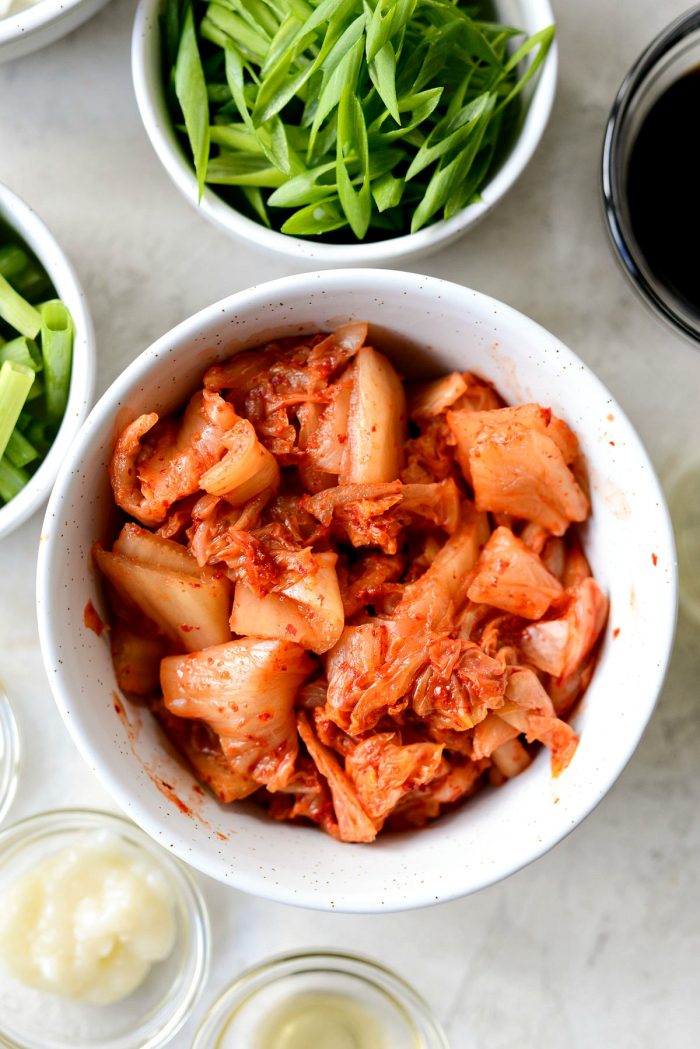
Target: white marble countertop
x=598 y=943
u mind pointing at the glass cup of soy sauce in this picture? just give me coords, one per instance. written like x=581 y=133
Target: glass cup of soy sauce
x=650 y=174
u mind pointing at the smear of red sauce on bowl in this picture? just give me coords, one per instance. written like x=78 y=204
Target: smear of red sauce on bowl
x=133 y=730
x=168 y=792
x=93 y=620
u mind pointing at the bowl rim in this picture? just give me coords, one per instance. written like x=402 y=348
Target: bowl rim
x=145 y=66
x=10 y=755
x=19 y=25
x=186 y=332
x=42 y=826
x=256 y=978
x=25 y=222
x=620 y=235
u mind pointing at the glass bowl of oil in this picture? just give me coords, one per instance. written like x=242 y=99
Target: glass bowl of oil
x=649 y=174
x=320 y=1000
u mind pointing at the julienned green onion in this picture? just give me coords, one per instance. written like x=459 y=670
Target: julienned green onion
x=372 y=117
x=36 y=349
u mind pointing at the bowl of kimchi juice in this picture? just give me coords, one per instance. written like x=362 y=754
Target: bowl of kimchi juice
x=427 y=327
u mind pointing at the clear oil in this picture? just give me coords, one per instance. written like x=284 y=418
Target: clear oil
x=321 y=1020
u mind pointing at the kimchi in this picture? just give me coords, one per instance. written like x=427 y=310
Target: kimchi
x=353 y=600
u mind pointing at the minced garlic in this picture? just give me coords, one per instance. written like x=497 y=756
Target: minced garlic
x=87 y=922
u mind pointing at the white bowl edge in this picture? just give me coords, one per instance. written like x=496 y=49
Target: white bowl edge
x=30 y=228
x=42 y=24
x=299 y=865
x=145 y=62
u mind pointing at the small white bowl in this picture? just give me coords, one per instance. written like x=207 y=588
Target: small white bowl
x=531 y=15
x=29 y=227
x=35 y=27
x=428 y=326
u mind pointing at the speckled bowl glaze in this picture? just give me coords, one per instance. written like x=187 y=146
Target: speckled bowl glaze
x=34 y=27
x=29 y=227
x=427 y=326
x=538 y=97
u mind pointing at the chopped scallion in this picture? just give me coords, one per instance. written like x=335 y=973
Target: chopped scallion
x=15 y=383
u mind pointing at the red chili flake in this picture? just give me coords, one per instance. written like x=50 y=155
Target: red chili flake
x=224 y=837
x=654 y=559
x=289 y=629
x=265 y=715
x=185 y=628
x=612 y=443
x=616 y=632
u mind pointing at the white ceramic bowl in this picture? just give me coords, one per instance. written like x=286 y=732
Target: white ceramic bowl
x=37 y=237
x=531 y=15
x=428 y=326
x=35 y=27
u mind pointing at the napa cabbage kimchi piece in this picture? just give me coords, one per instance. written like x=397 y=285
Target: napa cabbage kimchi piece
x=350 y=599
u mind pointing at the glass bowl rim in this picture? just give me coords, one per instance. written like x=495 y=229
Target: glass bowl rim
x=617 y=228
x=42 y=826
x=402 y=995
x=10 y=752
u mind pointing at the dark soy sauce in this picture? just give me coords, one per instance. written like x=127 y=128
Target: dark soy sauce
x=663 y=188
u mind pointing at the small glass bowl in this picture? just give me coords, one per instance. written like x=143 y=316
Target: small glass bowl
x=674 y=52
x=148 y=1018
x=9 y=755
x=244 y=1016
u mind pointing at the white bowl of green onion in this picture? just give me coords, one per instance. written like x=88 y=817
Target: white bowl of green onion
x=47 y=360
x=344 y=132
